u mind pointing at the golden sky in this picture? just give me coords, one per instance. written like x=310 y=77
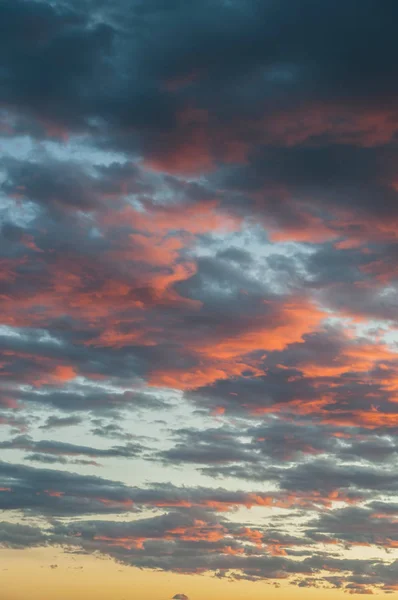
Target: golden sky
x=30 y=575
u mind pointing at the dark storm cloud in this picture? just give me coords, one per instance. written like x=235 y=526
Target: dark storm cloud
x=115 y=63
x=331 y=176
x=40 y=39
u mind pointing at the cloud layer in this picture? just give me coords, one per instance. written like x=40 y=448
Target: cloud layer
x=198 y=286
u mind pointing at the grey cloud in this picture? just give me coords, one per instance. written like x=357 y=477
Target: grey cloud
x=25 y=443
x=54 y=422
x=17 y=536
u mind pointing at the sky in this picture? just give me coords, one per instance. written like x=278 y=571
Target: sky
x=198 y=299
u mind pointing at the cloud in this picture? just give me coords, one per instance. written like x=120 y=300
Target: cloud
x=16 y=536
x=54 y=422
x=199 y=267
x=65 y=449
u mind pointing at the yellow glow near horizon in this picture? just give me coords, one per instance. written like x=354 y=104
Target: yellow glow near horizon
x=28 y=574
